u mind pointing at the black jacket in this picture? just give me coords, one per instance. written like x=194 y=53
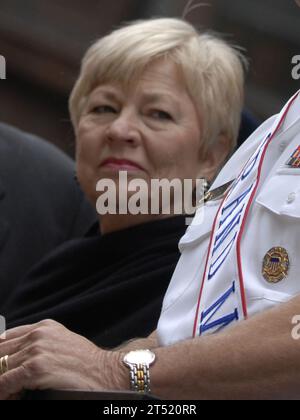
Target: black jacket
x=109 y=289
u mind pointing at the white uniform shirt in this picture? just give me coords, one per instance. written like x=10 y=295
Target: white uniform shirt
x=273 y=221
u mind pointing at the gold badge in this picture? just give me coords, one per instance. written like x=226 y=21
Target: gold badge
x=215 y=194
x=276 y=265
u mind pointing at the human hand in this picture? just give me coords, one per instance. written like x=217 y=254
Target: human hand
x=49 y=356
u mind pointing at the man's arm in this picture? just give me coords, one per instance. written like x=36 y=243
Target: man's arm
x=257 y=359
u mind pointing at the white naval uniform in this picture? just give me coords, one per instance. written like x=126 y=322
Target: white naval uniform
x=273 y=221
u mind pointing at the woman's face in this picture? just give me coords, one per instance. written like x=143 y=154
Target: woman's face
x=150 y=129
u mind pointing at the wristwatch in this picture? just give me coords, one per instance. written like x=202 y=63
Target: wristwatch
x=139 y=362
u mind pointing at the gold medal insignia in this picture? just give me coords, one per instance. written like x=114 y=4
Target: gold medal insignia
x=276 y=265
x=215 y=194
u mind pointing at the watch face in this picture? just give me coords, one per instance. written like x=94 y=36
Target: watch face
x=143 y=357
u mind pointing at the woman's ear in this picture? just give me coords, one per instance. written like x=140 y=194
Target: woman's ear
x=215 y=157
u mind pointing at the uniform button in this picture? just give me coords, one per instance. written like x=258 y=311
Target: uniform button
x=291 y=198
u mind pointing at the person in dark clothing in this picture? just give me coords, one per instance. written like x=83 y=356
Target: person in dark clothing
x=41 y=205
x=107 y=288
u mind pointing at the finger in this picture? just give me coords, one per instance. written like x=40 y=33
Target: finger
x=15 y=360
x=19 y=331
x=24 y=374
x=25 y=329
x=12 y=346
x=12 y=383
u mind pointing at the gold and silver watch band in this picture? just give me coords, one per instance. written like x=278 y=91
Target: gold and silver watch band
x=140 y=378
x=139 y=362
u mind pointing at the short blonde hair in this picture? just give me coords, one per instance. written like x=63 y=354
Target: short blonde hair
x=212 y=70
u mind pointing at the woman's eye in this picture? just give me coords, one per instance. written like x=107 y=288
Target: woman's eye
x=103 y=109
x=161 y=115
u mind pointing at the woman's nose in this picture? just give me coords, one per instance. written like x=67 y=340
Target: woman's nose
x=124 y=129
